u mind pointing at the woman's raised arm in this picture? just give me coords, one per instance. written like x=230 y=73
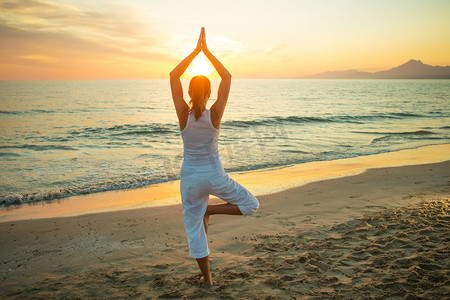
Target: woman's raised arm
x=181 y=106
x=218 y=107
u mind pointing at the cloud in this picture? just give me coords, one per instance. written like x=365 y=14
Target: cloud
x=276 y=49
x=223 y=39
x=22 y=5
x=112 y=21
x=37 y=33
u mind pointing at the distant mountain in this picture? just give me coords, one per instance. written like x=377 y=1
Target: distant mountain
x=413 y=69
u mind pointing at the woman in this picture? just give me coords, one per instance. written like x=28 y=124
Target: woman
x=202 y=173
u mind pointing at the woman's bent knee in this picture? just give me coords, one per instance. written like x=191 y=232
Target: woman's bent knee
x=255 y=206
x=250 y=208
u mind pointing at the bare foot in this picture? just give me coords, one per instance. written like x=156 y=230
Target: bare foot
x=207 y=282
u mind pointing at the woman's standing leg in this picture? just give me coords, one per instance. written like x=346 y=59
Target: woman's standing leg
x=195 y=201
x=203 y=264
x=214 y=209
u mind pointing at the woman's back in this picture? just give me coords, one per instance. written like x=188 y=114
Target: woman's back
x=200 y=140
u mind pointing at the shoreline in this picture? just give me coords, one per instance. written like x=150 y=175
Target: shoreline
x=365 y=234
x=259 y=182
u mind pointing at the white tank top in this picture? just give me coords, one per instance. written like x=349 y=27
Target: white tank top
x=200 y=140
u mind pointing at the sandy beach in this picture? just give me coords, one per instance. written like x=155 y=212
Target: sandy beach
x=382 y=233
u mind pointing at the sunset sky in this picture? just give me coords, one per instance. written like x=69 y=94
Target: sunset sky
x=118 y=39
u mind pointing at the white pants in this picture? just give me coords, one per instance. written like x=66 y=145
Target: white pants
x=195 y=189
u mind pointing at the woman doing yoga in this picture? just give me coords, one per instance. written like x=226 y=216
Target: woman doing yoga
x=202 y=173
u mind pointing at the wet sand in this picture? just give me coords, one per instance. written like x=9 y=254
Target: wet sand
x=379 y=234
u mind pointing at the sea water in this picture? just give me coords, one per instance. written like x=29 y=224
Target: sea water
x=63 y=138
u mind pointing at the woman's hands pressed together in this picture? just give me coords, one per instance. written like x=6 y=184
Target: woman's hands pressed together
x=201 y=44
x=181 y=106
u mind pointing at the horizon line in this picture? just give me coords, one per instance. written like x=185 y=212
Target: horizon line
x=306 y=76
x=238 y=78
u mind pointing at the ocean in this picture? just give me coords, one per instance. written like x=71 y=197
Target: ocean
x=65 y=138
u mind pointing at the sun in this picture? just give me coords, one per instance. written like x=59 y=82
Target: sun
x=200 y=66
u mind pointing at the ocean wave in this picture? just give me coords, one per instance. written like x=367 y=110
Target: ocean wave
x=126 y=129
x=295 y=151
x=172 y=128
x=6 y=154
x=403 y=115
x=417 y=132
x=67 y=111
x=356 y=119
x=17 y=199
x=30 y=111
x=38 y=147
x=36 y=197
x=407 y=135
x=10 y=112
x=51 y=195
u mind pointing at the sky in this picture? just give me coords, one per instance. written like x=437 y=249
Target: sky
x=137 y=39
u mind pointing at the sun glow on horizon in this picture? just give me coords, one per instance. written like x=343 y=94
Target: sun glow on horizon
x=200 y=66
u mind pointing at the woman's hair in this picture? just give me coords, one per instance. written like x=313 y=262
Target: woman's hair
x=199 y=90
